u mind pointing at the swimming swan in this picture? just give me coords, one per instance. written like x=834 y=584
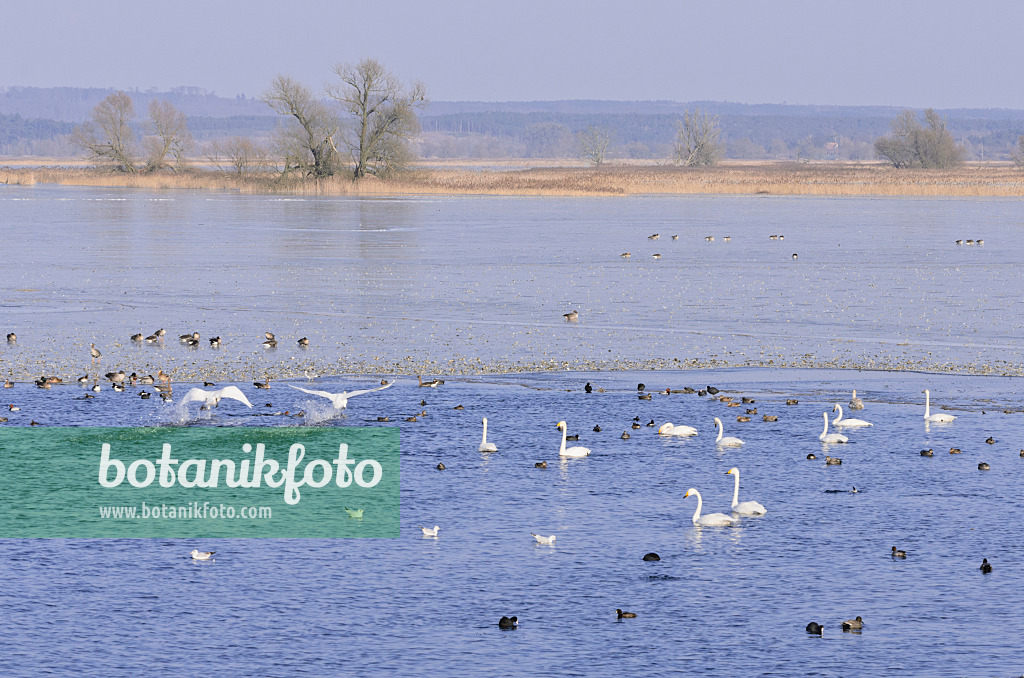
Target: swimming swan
x=572 y=451
x=728 y=441
x=839 y=421
x=938 y=418
x=711 y=519
x=827 y=437
x=670 y=429
x=484 y=445
x=855 y=402
x=746 y=508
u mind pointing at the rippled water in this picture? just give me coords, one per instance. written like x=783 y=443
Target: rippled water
x=489 y=278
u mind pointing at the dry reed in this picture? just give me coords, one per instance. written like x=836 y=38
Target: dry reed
x=981 y=179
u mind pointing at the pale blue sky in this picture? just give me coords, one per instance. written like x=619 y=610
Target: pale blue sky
x=940 y=53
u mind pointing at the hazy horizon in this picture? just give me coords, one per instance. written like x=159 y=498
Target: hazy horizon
x=914 y=54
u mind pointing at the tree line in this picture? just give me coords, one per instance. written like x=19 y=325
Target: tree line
x=367 y=122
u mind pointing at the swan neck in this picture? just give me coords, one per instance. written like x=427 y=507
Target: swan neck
x=562 y=448
x=720 y=429
x=839 y=417
x=825 y=430
x=485 y=433
x=926 y=404
x=696 y=514
x=736 y=490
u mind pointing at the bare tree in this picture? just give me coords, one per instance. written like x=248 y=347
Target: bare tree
x=167 y=134
x=1018 y=153
x=697 y=139
x=593 y=144
x=241 y=155
x=382 y=116
x=912 y=144
x=307 y=144
x=108 y=137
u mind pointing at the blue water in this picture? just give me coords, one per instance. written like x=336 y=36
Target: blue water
x=722 y=601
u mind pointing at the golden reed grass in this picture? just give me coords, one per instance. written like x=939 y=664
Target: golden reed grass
x=980 y=179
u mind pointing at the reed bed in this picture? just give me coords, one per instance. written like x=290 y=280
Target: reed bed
x=981 y=179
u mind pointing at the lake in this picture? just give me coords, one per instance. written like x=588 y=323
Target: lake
x=472 y=290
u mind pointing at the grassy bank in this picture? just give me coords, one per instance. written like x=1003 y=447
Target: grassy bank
x=981 y=179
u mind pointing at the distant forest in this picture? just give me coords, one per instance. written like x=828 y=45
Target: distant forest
x=39 y=121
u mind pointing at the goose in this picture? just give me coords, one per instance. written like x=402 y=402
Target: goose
x=571 y=316
x=670 y=429
x=340 y=400
x=940 y=417
x=137 y=338
x=827 y=437
x=572 y=451
x=303 y=342
x=484 y=445
x=12 y=338
x=262 y=384
x=839 y=421
x=855 y=402
x=728 y=441
x=746 y=508
x=711 y=519
x=94 y=352
x=433 y=383
x=214 y=342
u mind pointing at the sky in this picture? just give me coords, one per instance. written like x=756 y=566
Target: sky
x=936 y=53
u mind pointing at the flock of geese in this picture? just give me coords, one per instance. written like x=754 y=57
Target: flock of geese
x=727 y=238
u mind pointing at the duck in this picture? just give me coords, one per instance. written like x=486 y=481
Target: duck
x=833 y=461
x=303 y=342
x=571 y=316
x=815 y=628
x=897 y=553
x=853 y=624
x=626 y=255
x=433 y=383
x=651 y=557
x=508 y=622
x=8 y=383
x=625 y=615
x=792 y=401
x=986 y=567
x=597 y=428
x=270 y=343
x=982 y=466
x=742 y=418
x=927 y=453
x=625 y=435
x=769 y=417
x=541 y=464
x=990 y=440
x=137 y=338
x=12 y=338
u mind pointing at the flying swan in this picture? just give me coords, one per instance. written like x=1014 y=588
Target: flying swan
x=214 y=397
x=711 y=519
x=839 y=421
x=746 y=508
x=572 y=451
x=340 y=400
x=827 y=437
x=728 y=441
x=940 y=417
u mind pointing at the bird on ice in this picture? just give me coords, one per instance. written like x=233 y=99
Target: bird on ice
x=340 y=400
x=201 y=555
x=214 y=397
x=550 y=541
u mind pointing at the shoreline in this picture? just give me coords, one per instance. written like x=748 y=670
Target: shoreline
x=736 y=178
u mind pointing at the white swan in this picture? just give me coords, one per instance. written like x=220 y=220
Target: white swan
x=855 y=402
x=670 y=429
x=214 y=397
x=827 y=437
x=711 y=519
x=340 y=400
x=746 y=508
x=839 y=421
x=572 y=451
x=938 y=418
x=727 y=441
x=484 y=445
